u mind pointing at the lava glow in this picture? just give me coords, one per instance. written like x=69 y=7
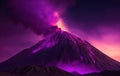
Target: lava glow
x=60 y=23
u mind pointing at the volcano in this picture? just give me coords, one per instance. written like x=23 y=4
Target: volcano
x=65 y=51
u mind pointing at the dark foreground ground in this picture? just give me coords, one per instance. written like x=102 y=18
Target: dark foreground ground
x=51 y=71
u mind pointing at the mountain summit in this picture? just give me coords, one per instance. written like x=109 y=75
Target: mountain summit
x=65 y=51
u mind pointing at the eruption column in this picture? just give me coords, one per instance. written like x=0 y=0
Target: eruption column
x=59 y=22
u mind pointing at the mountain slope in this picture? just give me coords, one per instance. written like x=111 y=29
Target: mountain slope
x=66 y=51
x=36 y=71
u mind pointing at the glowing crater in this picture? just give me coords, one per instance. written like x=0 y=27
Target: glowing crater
x=59 y=22
x=61 y=25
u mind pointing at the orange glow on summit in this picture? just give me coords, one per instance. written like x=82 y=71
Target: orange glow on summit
x=59 y=22
x=61 y=25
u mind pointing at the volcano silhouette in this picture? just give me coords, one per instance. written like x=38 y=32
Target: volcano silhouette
x=63 y=50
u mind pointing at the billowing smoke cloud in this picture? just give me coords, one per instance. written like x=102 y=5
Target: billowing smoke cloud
x=36 y=14
x=21 y=20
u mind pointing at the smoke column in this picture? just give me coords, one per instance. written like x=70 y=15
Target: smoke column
x=23 y=22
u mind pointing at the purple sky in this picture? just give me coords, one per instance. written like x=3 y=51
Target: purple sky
x=99 y=23
x=22 y=20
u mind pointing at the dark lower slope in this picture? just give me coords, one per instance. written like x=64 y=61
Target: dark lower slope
x=104 y=73
x=36 y=71
x=51 y=71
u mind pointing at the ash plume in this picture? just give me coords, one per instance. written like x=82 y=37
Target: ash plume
x=36 y=14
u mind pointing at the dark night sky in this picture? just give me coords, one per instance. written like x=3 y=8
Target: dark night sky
x=96 y=21
x=94 y=13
